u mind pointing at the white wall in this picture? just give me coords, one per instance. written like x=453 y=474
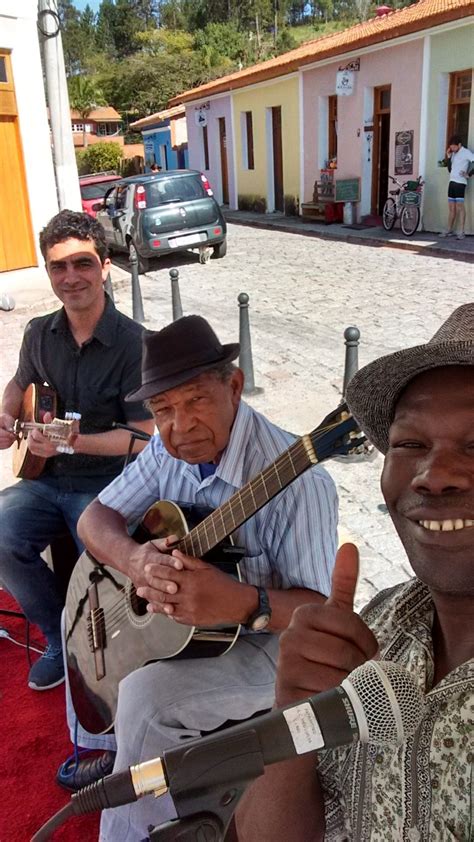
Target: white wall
x=18 y=33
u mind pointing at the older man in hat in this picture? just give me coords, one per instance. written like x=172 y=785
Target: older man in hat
x=210 y=444
x=417 y=406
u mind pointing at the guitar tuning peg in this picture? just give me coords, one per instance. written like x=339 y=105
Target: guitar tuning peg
x=76 y=416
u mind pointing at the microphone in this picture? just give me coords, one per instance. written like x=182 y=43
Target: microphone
x=134 y=431
x=377 y=703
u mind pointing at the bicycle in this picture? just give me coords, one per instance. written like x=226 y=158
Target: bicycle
x=406 y=206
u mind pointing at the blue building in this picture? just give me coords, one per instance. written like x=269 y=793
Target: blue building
x=165 y=138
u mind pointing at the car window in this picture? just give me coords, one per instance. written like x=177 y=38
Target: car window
x=121 y=197
x=182 y=189
x=94 y=191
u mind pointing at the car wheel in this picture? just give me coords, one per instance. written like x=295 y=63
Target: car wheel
x=220 y=250
x=143 y=263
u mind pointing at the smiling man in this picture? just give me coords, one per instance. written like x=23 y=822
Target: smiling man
x=90 y=354
x=210 y=444
x=417 y=407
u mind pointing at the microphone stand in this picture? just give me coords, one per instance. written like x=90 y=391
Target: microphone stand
x=208 y=786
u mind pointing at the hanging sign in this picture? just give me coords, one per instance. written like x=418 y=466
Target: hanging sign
x=344 y=82
x=404 y=152
x=200 y=114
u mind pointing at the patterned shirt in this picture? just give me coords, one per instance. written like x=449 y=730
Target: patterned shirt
x=421 y=791
x=290 y=543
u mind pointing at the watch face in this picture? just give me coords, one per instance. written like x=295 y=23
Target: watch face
x=260 y=622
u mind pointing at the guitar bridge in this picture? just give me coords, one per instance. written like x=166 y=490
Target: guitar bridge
x=96 y=631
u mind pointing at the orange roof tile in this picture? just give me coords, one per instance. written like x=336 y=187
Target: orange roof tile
x=102 y=112
x=169 y=113
x=419 y=16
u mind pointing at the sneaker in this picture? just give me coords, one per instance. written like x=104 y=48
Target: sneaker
x=74 y=775
x=447 y=234
x=460 y=236
x=47 y=671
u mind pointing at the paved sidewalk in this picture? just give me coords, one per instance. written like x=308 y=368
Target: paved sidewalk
x=423 y=241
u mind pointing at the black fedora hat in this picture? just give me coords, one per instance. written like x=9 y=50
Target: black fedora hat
x=177 y=353
x=373 y=392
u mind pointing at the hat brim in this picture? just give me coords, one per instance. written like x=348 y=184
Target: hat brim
x=373 y=392
x=163 y=384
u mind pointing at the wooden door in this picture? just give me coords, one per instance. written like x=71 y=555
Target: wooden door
x=277 y=159
x=381 y=148
x=224 y=169
x=17 y=249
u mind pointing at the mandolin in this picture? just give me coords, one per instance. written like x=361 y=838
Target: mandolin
x=109 y=632
x=37 y=401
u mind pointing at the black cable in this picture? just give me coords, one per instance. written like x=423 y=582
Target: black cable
x=39 y=23
x=47 y=830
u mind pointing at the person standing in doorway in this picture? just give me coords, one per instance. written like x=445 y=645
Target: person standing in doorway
x=458 y=160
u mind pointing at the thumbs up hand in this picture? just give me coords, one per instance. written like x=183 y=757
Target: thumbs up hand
x=325 y=642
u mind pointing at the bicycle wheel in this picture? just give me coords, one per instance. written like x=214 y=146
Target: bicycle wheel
x=409 y=219
x=389 y=214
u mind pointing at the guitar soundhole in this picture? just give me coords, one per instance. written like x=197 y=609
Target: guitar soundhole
x=137 y=603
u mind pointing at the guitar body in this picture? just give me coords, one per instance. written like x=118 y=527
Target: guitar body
x=121 y=635
x=37 y=400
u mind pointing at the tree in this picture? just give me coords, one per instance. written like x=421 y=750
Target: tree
x=84 y=96
x=99 y=157
x=78 y=36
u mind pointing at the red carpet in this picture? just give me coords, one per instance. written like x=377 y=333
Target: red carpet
x=34 y=740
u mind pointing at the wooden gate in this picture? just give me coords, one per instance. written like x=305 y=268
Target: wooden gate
x=17 y=249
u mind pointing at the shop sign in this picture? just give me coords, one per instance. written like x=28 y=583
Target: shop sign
x=201 y=114
x=344 y=82
x=404 y=152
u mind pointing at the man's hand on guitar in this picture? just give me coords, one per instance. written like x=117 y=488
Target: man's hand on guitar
x=324 y=643
x=39 y=444
x=193 y=592
x=7 y=436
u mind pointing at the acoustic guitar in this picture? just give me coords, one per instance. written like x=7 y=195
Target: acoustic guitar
x=37 y=401
x=109 y=633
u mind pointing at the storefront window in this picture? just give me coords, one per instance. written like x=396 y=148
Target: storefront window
x=459 y=104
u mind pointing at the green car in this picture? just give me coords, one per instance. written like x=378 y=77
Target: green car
x=160 y=213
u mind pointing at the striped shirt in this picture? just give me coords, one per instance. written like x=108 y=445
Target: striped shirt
x=290 y=543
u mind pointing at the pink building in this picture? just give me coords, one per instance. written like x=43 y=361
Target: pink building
x=362 y=115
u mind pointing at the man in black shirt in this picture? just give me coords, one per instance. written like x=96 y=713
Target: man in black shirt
x=90 y=354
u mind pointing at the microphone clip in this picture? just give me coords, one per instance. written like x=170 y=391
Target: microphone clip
x=207 y=784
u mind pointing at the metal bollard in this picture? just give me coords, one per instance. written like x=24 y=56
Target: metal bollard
x=351 y=364
x=175 y=295
x=108 y=287
x=137 y=303
x=245 y=357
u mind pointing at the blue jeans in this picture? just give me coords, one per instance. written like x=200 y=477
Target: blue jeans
x=32 y=513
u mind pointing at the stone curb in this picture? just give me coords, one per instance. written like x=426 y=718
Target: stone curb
x=368 y=239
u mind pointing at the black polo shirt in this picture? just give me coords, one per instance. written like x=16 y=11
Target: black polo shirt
x=91 y=379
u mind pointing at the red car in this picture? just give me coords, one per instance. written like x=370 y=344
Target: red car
x=93 y=189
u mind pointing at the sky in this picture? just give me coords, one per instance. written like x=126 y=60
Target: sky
x=81 y=4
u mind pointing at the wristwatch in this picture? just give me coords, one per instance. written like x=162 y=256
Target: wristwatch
x=260 y=618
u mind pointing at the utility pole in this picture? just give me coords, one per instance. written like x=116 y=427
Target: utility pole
x=64 y=157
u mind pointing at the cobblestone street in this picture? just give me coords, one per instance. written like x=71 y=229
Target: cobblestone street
x=303 y=293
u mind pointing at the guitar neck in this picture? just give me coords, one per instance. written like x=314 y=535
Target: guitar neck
x=249 y=499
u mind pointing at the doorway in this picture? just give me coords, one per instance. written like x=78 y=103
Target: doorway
x=277 y=159
x=381 y=148
x=17 y=248
x=224 y=169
